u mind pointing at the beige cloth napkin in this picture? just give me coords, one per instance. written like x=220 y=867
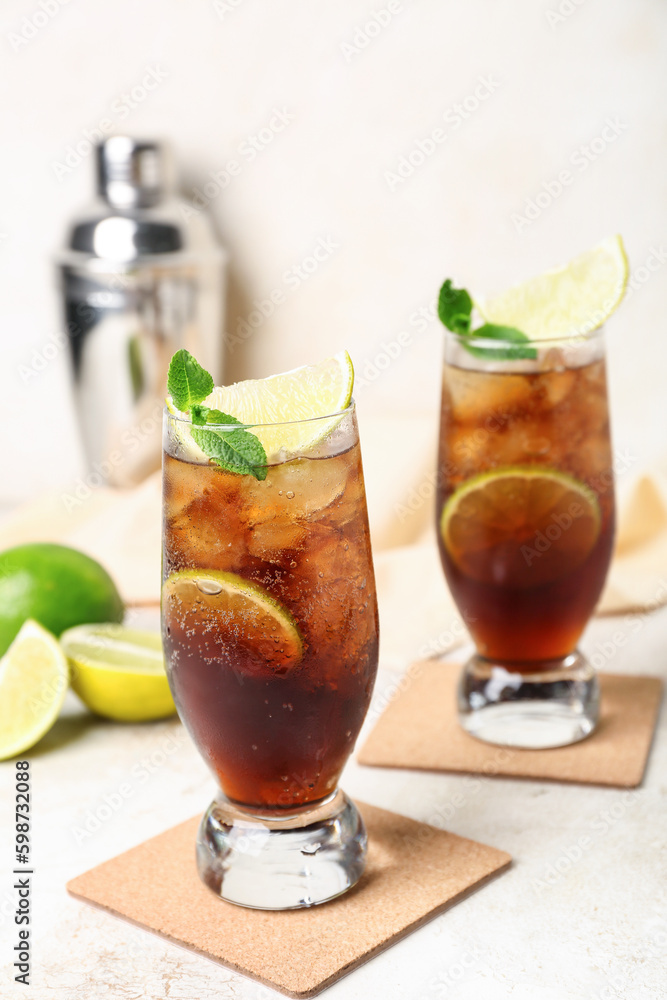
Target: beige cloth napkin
x=121 y=528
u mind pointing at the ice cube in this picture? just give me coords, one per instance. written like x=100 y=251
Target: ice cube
x=483 y=397
x=269 y=539
x=557 y=385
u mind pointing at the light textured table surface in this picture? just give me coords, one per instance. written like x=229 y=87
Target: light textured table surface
x=565 y=923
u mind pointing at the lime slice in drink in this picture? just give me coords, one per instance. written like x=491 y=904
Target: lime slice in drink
x=574 y=299
x=233 y=619
x=520 y=527
x=33 y=682
x=118 y=672
x=301 y=394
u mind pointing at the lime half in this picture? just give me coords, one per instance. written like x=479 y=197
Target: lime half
x=33 y=682
x=520 y=527
x=570 y=300
x=231 y=619
x=55 y=585
x=119 y=672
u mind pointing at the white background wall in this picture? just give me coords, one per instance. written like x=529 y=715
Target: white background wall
x=357 y=104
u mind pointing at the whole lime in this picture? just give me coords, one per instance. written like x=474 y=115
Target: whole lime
x=57 y=586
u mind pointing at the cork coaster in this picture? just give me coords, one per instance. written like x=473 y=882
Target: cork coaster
x=420 y=729
x=413 y=873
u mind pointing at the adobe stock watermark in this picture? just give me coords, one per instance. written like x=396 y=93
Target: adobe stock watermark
x=224 y=7
x=112 y=802
x=444 y=812
x=562 y=521
x=454 y=117
x=390 y=350
x=58 y=342
x=132 y=439
x=121 y=108
x=465 y=450
x=565 y=9
x=247 y=151
x=32 y=24
x=580 y=160
x=448 y=639
x=605 y=650
x=447 y=979
x=292 y=279
x=571 y=855
x=41 y=357
x=646 y=950
x=655 y=259
x=370 y=29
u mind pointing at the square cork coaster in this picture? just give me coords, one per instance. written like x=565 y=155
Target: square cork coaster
x=420 y=729
x=413 y=873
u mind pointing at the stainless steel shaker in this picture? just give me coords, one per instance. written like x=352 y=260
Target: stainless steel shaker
x=141 y=276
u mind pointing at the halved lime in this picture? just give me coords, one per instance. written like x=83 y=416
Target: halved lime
x=118 y=672
x=57 y=586
x=232 y=619
x=573 y=299
x=520 y=527
x=303 y=394
x=33 y=682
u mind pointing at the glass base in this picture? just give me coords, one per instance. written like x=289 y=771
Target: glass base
x=271 y=861
x=553 y=708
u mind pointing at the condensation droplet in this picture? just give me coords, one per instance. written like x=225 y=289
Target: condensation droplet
x=254 y=746
x=209 y=587
x=321 y=574
x=290 y=494
x=293 y=564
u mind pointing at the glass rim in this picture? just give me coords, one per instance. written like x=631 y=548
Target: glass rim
x=183 y=418
x=489 y=343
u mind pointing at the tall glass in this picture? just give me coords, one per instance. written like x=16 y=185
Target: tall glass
x=525 y=518
x=270 y=630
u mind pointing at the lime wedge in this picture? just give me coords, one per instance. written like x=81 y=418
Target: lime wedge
x=520 y=527
x=33 y=682
x=233 y=619
x=566 y=301
x=118 y=672
x=301 y=394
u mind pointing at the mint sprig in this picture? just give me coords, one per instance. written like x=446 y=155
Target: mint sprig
x=455 y=311
x=237 y=450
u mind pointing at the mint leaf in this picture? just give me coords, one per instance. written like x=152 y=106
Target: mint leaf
x=236 y=451
x=513 y=350
x=454 y=308
x=187 y=381
x=455 y=311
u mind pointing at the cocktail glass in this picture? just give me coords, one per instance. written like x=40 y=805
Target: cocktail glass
x=525 y=519
x=270 y=630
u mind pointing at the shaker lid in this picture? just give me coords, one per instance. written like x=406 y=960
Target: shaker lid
x=133 y=173
x=137 y=214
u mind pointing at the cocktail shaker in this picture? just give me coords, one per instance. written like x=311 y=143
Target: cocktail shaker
x=141 y=275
